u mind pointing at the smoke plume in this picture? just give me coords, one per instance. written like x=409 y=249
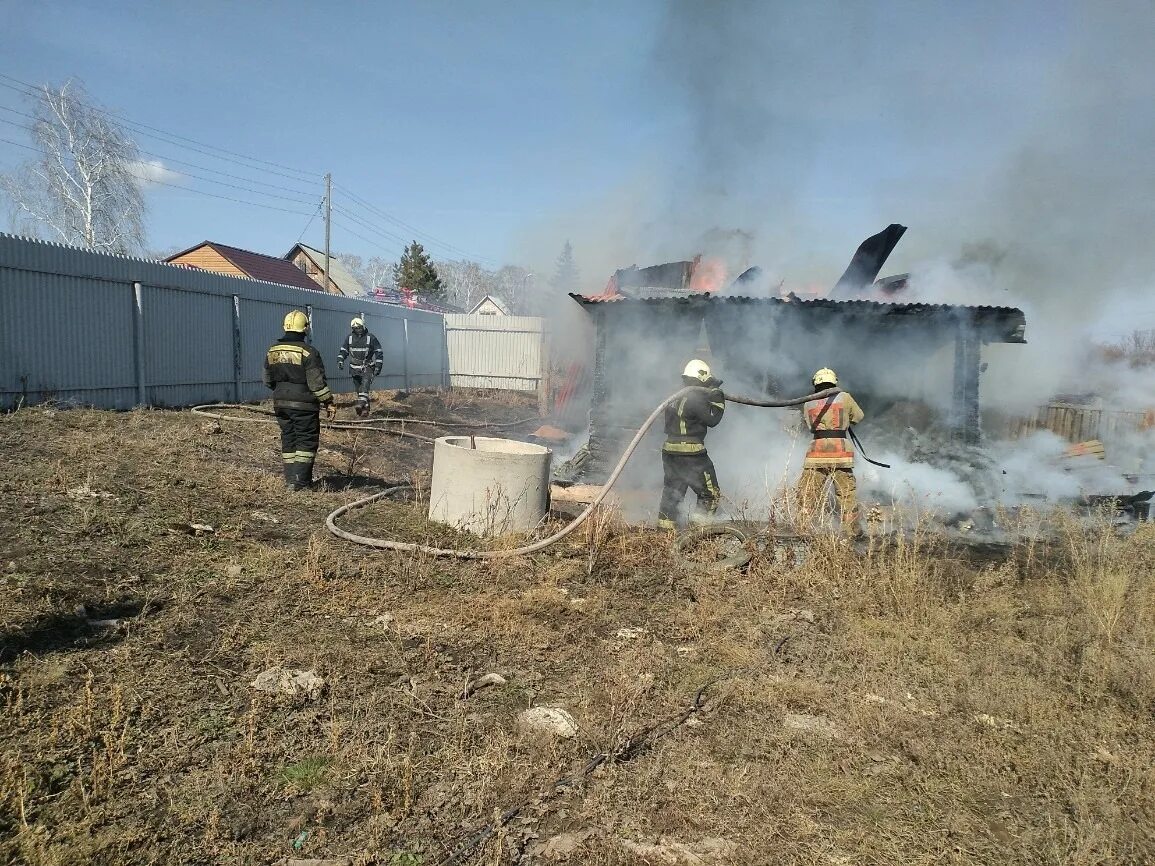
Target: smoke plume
x=1015 y=140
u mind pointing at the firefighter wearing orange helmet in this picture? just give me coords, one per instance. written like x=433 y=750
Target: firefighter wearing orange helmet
x=830 y=457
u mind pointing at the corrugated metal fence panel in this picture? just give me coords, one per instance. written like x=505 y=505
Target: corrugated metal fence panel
x=494 y=351
x=428 y=353
x=65 y=338
x=185 y=332
x=85 y=303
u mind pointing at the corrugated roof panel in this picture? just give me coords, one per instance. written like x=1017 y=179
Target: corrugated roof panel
x=338 y=273
x=705 y=297
x=996 y=324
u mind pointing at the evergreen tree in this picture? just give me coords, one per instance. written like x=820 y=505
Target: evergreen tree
x=565 y=277
x=416 y=273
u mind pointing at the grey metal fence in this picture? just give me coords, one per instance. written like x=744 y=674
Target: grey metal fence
x=116 y=332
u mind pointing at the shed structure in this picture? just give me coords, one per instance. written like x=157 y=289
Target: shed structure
x=770 y=346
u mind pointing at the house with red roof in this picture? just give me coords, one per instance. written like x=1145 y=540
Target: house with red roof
x=223 y=259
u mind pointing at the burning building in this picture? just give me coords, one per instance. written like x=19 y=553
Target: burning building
x=769 y=345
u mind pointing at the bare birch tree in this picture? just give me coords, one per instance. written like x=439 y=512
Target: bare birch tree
x=85 y=187
x=466 y=282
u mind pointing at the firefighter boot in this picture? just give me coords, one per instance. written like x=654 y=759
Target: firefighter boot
x=304 y=479
x=290 y=474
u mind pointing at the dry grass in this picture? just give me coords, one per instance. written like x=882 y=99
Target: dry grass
x=959 y=711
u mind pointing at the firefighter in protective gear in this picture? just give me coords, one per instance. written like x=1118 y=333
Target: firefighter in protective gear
x=685 y=463
x=830 y=457
x=366 y=359
x=295 y=372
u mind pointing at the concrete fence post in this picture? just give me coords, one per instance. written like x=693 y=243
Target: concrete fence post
x=138 y=342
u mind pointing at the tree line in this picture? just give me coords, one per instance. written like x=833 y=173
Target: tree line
x=463 y=283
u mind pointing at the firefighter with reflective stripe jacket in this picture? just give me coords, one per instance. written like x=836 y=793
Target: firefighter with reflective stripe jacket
x=685 y=463
x=296 y=373
x=366 y=359
x=830 y=457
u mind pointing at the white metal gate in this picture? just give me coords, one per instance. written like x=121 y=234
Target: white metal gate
x=504 y=352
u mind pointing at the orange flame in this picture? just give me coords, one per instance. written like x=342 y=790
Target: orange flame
x=707 y=275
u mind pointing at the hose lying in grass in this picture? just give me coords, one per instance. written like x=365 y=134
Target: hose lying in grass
x=535 y=547
x=688 y=539
x=267 y=417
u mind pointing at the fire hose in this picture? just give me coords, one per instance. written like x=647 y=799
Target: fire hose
x=535 y=547
x=368 y=424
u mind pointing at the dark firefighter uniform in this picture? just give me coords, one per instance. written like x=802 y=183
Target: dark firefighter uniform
x=685 y=463
x=830 y=457
x=366 y=359
x=296 y=373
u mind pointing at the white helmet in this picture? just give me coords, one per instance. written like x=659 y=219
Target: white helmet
x=357 y=322
x=696 y=369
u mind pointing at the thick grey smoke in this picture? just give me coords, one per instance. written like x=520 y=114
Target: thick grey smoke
x=1015 y=140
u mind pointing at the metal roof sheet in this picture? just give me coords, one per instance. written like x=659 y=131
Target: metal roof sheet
x=1009 y=323
x=338 y=273
x=258 y=266
x=706 y=297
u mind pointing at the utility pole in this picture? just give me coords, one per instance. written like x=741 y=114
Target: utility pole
x=328 y=222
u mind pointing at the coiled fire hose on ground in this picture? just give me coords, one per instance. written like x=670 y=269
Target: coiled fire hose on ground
x=535 y=547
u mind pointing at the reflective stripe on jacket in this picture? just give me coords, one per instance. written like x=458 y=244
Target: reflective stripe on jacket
x=364 y=351
x=688 y=418
x=296 y=373
x=828 y=420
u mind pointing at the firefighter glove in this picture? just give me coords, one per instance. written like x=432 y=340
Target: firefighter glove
x=376 y=369
x=341 y=364
x=330 y=411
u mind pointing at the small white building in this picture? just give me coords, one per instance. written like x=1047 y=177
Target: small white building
x=489 y=306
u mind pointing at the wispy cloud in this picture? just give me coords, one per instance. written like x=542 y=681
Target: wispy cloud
x=151 y=172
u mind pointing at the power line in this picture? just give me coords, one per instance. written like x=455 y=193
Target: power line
x=30 y=89
x=310 y=222
x=294 y=199
x=262 y=165
x=175 y=160
x=356 y=234
x=371 y=226
x=174 y=185
x=168 y=138
x=389 y=217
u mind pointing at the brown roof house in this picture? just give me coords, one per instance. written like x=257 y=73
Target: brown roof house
x=312 y=262
x=211 y=256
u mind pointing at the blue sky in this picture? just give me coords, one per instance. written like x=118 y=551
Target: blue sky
x=641 y=130
x=465 y=120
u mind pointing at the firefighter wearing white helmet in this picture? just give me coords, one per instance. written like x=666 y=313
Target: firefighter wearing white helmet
x=830 y=457
x=366 y=359
x=296 y=374
x=685 y=463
